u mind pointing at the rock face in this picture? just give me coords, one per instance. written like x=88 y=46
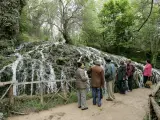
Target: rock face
x=51 y=62
x=1 y=116
x=9 y=21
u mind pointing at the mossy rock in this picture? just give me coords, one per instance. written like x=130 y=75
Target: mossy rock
x=62 y=61
x=6 y=60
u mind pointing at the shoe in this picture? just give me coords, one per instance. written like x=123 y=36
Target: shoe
x=84 y=108
x=79 y=106
x=94 y=104
x=99 y=105
x=109 y=99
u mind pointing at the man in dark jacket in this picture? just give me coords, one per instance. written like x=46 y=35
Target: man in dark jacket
x=81 y=84
x=130 y=72
x=97 y=82
x=121 y=77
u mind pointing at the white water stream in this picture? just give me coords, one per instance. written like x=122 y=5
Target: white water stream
x=35 y=65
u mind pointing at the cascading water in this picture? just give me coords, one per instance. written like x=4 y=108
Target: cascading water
x=55 y=61
x=14 y=69
x=52 y=86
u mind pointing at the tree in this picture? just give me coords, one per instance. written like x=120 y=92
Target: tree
x=9 y=21
x=68 y=16
x=117 y=19
x=91 y=27
x=149 y=36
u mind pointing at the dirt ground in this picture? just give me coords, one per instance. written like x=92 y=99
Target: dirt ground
x=132 y=106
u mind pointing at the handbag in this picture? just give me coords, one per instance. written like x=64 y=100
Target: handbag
x=148 y=84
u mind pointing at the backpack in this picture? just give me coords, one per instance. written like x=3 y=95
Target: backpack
x=108 y=72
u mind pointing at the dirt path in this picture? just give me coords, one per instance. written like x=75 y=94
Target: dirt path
x=132 y=106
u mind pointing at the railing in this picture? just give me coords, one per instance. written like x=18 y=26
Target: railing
x=41 y=83
x=153 y=104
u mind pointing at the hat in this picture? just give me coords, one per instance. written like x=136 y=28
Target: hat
x=129 y=60
x=97 y=62
x=122 y=62
x=107 y=59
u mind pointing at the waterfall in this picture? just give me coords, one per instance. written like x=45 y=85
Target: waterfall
x=14 y=69
x=49 y=62
x=52 y=86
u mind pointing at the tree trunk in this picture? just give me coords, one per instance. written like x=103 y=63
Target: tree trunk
x=67 y=38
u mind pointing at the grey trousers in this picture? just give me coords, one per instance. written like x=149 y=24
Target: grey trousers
x=110 y=89
x=81 y=93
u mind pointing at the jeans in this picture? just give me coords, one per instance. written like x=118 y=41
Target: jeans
x=96 y=94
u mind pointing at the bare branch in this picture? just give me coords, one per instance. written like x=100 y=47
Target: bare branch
x=147 y=17
x=67 y=4
x=72 y=16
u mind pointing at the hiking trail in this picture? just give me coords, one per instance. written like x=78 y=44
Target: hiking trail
x=132 y=106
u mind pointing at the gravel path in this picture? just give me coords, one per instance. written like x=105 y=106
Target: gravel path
x=132 y=106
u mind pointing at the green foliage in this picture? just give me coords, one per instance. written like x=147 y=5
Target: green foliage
x=27 y=105
x=4 y=60
x=117 y=18
x=9 y=22
x=30 y=28
x=91 y=28
x=148 y=38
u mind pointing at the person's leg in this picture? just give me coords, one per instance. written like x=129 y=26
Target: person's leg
x=130 y=82
x=94 y=95
x=112 y=89
x=79 y=98
x=118 y=86
x=109 y=89
x=113 y=85
x=122 y=84
x=145 y=79
x=98 y=97
x=83 y=99
x=127 y=86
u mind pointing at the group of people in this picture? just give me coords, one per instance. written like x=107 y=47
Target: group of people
x=105 y=77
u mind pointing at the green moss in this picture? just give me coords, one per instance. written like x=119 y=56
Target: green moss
x=6 y=60
x=61 y=60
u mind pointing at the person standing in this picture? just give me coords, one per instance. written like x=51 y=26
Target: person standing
x=114 y=69
x=130 y=72
x=121 y=77
x=147 y=72
x=97 y=82
x=81 y=84
x=109 y=77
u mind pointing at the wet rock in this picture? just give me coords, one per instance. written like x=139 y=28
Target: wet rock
x=48 y=61
x=1 y=116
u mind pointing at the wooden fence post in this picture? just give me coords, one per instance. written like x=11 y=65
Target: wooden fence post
x=41 y=90
x=11 y=97
x=65 y=90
